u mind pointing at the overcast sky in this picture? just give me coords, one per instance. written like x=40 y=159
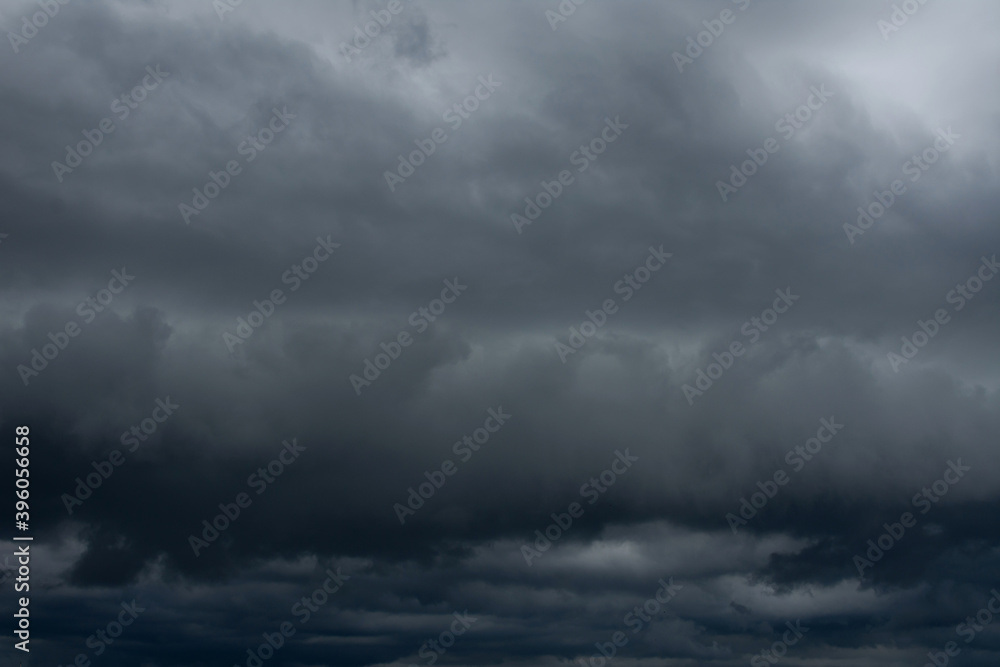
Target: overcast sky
x=703 y=290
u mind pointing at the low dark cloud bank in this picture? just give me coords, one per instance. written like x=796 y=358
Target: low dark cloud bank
x=398 y=333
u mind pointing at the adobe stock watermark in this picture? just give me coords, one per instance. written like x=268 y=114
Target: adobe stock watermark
x=371 y=29
x=581 y=158
x=564 y=10
x=432 y=649
x=894 y=532
x=103 y=470
x=252 y=146
x=420 y=320
x=592 y=489
x=968 y=629
x=294 y=275
x=106 y=636
x=787 y=125
x=637 y=620
x=38 y=20
x=259 y=480
x=778 y=649
x=223 y=7
x=120 y=106
x=454 y=115
x=301 y=610
x=914 y=168
x=899 y=17
x=630 y=283
x=963 y=293
x=87 y=310
x=714 y=28
x=797 y=457
x=752 y=328
x=464 y=449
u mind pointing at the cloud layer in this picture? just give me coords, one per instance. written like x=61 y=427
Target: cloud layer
x=346 y=239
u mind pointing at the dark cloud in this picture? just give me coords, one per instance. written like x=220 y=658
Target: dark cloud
x=436 y=371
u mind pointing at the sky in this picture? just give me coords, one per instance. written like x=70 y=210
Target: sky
x=400 y=332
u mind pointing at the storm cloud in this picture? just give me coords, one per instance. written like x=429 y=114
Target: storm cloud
x=460 y=333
